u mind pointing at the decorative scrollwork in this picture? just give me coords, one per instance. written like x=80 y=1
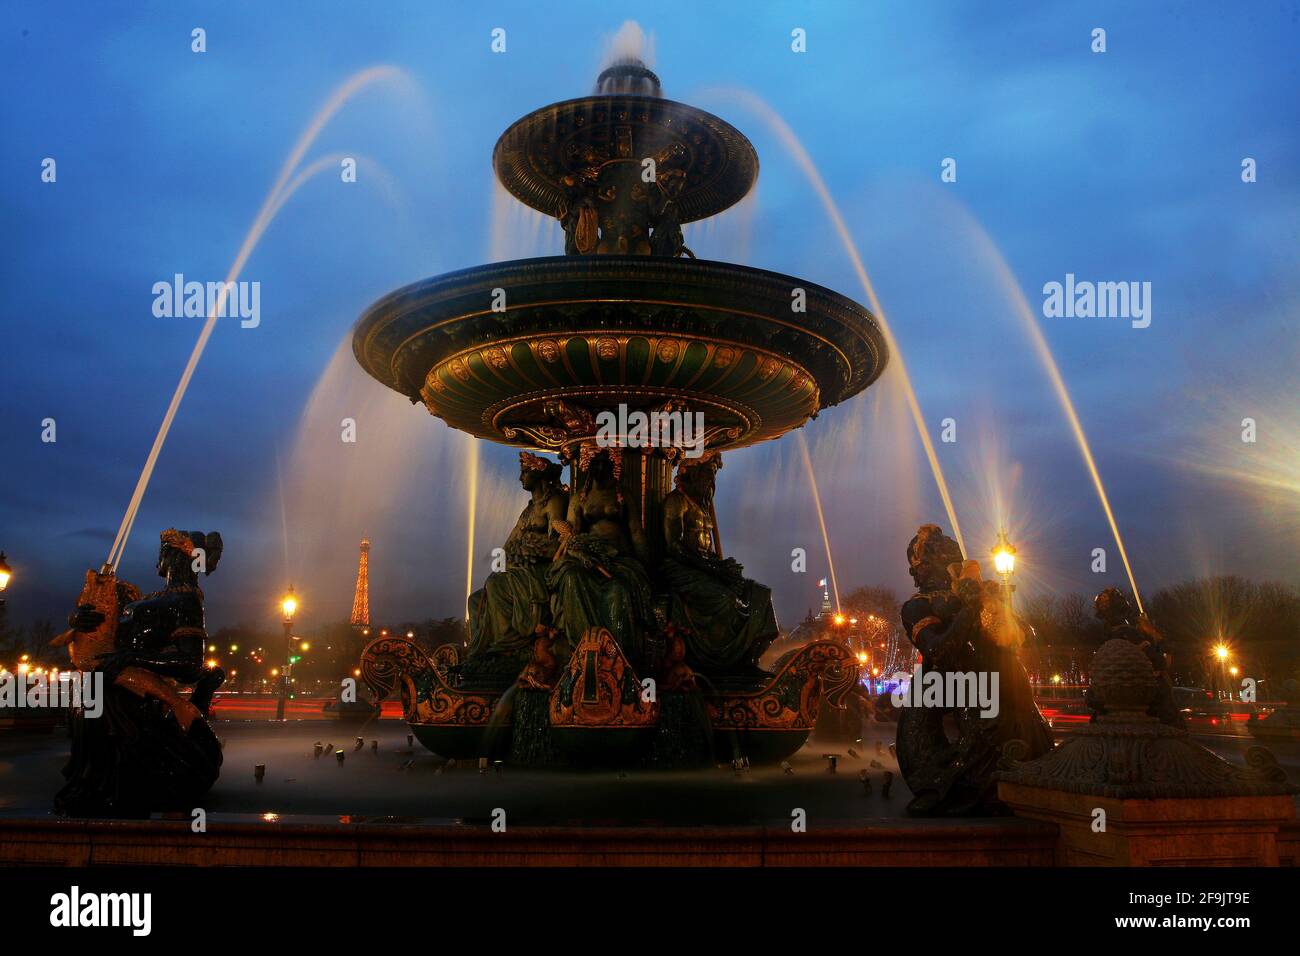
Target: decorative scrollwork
x=427 y=698
x=791 y=700
x=599 y=689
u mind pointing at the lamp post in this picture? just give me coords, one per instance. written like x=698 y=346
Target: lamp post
x=289 y=606
x=1222 y=654
x=6 y=573
x=1004 y=562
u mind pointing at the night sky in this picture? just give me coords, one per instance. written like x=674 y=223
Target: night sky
x=1117 y=166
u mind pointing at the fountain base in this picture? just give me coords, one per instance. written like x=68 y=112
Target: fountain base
x=599 y=712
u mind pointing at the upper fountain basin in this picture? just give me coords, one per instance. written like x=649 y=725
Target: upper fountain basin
x=571 y=336
x=541 y=156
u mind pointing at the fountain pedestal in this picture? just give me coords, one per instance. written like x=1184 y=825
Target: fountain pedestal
x=1207 y=831
x=1128 y=790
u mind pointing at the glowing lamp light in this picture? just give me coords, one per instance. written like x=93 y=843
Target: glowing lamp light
x=24 y=667
x=1004 y=555
x=1056 y=678
x=862 y=657
x=410 y=634
x=289 y=605
x=6 y=572
x=275 y=672
x=1221 y=651
x=305 y=646
x=839 y=620
x=1233 y=670
x=211 y=663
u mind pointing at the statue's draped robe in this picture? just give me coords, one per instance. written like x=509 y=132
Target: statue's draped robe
x=729 y=623
x=507 y=610
x=582 y=597
x=505 y=613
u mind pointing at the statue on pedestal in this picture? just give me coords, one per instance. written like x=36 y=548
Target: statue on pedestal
x=151 y=748
x=506 y=613
x=1121 y=620
x=726 y=619
x=949 y=752
x=598 y=578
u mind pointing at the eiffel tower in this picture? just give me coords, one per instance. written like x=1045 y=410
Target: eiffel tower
x=361 y=600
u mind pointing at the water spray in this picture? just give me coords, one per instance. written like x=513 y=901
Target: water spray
x=821 y=518
x=805 y=162
x=471 y=476
x=1012 y=288
x=275 y=199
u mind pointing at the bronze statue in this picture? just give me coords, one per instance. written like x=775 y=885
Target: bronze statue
x=151 y=748
x=598 y=578
x=962 y=626
x=727 y=620
x=1121 y=620
x=505 y=614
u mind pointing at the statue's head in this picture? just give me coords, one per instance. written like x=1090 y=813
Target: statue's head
x=178 y=549
x=536 y=471
x=1113 y=608
x=929 y=555
x=598 y=462
x=599 y=465
x=699 y=472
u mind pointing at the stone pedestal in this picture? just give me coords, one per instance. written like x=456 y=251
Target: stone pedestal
x=1128 y=790
x=1226 y=831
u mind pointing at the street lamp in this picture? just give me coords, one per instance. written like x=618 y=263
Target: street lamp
x=1222 y=653
x=289 y=605
x=1004 y=562
x=6 y=573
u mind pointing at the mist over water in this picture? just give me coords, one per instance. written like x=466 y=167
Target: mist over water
x=401 y=484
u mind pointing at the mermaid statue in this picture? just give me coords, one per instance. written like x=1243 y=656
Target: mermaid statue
x=598 y=577
x=151 y=748
x=505 y=615
x=726 y=619
x=948 y=752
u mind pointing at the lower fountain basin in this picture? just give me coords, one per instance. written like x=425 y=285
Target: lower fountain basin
x=528 y=352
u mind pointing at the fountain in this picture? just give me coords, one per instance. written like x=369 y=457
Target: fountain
x=617 y=629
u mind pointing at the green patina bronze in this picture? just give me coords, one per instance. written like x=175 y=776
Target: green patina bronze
x=616 y=582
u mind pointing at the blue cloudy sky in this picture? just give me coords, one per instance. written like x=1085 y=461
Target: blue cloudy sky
x=1116 y=166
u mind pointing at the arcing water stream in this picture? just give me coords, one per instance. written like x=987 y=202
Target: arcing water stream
x=280 y=192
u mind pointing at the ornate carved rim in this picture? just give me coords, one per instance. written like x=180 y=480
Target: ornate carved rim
x=722 y=164
x=414 y=338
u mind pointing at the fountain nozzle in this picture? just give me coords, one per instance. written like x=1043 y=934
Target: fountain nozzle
x=628 y=76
